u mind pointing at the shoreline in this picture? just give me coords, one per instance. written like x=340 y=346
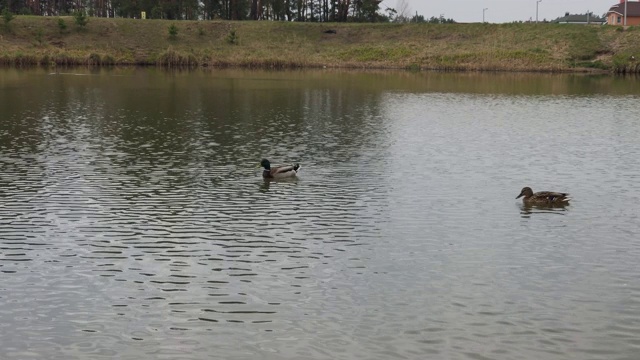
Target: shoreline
x=518 y=47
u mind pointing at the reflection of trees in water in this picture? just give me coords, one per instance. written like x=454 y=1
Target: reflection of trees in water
x=147 y=122
x=221 y=122
x=283 y=116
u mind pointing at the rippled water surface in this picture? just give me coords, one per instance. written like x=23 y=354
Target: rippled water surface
x=134 y=223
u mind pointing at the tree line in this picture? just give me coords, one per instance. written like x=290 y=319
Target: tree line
x=277 y=10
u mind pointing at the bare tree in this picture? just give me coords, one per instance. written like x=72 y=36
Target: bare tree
x=403 y=11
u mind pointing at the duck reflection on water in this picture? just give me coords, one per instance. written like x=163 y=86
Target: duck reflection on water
x=265 y=184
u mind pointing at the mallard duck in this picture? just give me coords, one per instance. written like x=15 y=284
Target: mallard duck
x=278 y=172
x=543 y=197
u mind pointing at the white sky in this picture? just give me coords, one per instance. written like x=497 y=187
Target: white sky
x=500 y=11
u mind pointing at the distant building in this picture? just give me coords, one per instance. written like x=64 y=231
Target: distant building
x=581 y=19
x=615 y=15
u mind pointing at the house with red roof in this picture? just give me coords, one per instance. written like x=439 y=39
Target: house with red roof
x=616 y=14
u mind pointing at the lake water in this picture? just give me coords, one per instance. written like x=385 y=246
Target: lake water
x=134 y=223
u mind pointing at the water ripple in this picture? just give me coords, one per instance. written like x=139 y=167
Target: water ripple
x=142 y=229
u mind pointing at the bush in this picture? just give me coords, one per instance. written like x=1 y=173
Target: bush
x=172 y=58
x=80 y=18
x=173 y=31
x=45 y=60
x=62 y=25
x=108 y=60
x=24 y=60
x=7 y=16
x=413 y=68
x=232 y=38
x=94 y=59
x=39 y=34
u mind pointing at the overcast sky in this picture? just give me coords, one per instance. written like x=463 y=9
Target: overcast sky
x=500 y=11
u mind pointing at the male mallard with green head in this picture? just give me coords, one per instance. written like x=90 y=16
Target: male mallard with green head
x=543 y=197
x=278 y=172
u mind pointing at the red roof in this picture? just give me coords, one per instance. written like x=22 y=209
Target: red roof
x=633 y=8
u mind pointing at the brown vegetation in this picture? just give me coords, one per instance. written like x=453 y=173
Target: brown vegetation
x=31 y=40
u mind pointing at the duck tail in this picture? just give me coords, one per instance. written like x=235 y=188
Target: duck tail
x=296 y=167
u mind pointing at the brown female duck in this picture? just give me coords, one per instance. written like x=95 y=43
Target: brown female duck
x=543 y=197
x=278 y=172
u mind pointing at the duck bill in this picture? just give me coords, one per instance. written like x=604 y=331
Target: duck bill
x=519 y=196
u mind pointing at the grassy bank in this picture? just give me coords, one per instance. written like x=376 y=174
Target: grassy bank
x=33 y=40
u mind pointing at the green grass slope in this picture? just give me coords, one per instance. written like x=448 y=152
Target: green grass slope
x=31 y=40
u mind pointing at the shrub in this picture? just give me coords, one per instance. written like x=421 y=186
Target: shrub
x=108 y=60
x=45 y=60
x=62 y=25
x=94 y=59
x=173 y=31
x=21 y=59
x=413 y=68
x=80 y=18
x=39 y=34
x=172 y=58
x=232 y=38
x=7 y=16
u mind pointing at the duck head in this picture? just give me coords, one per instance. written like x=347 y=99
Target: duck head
x=265 y=164
x=526 y=192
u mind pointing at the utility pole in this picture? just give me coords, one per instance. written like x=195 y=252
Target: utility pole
x=483 y=10
x=537 y=2
x=625 y=12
